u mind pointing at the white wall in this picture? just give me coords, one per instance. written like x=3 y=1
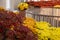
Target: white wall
x=13 y=3
x=50 y=11
x=3 y=3
x=46 y=11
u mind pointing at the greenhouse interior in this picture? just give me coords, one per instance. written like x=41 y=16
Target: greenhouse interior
x=29 y=19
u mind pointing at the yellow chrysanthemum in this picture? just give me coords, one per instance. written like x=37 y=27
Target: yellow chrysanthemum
x=57 y=6
x=30 y=23
x=42 y=25
x=22 y=6
x=1 y=8
x=43 y=29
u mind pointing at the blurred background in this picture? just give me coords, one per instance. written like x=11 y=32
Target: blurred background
x=48 y=14
x=10 y=4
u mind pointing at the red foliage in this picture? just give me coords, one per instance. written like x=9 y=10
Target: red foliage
x=19 y=32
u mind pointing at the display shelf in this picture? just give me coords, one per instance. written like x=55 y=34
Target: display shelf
x=44 y=3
